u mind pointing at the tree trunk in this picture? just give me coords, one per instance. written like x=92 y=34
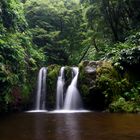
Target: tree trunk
x=95 y=45
x=84 y=54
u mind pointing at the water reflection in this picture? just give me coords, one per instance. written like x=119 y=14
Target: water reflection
x=56 y=127
x=72 y=126
x=67 y=128
x=38 y=128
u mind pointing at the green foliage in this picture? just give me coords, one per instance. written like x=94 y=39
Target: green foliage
x=108 y=23
x=110 y=82
x=19 y=59
x=120 y=105
x=122 y=95
x=128 y=102
x=128 y=61
x=85 y=90
x=66 y=32
x=57 y=28
x=108 y=52
x=130 y=57
x=83 y=82
x=134 y=38
x=13 y=15
x=18 y=63
x=134 y=93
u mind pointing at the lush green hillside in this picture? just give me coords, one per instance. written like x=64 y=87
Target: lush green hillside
x=65 y=32
x=19 y=58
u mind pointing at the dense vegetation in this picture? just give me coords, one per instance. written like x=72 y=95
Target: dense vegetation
x=65 y=32
x=19 y=57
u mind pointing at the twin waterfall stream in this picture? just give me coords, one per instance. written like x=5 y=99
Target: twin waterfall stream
x=66 y=99
x=41 y=90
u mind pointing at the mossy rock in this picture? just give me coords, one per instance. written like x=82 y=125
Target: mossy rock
x=68 y=76
x=52 y=75
x=86 y=84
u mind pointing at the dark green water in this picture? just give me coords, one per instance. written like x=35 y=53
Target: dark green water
x=74 y=126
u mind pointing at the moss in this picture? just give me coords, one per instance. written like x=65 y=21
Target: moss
x=52 y=75
x=83 y=82
x=114 y=90
x=82 y=74
x=107 y=69
x=123 y=104
x=68 y=76
x=110 y=82
x=121 y=94
x=85 y=90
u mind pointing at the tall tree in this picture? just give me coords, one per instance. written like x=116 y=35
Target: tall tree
x=19 y=59
x=56 y=26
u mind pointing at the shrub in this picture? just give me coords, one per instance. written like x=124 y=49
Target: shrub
x=121 y=105
x=110 y=82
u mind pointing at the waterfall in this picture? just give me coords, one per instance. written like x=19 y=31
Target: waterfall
x=60 y=89
x=73 y=100
x=41 y=90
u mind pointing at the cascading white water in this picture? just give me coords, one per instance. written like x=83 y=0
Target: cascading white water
x=73 y=99
x=60 y=89
x=72 y=103
x=41 y=90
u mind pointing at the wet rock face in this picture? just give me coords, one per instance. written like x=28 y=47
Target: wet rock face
x=90 y=69
x=92 y=98
x=87 y=79
x=91 y=66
